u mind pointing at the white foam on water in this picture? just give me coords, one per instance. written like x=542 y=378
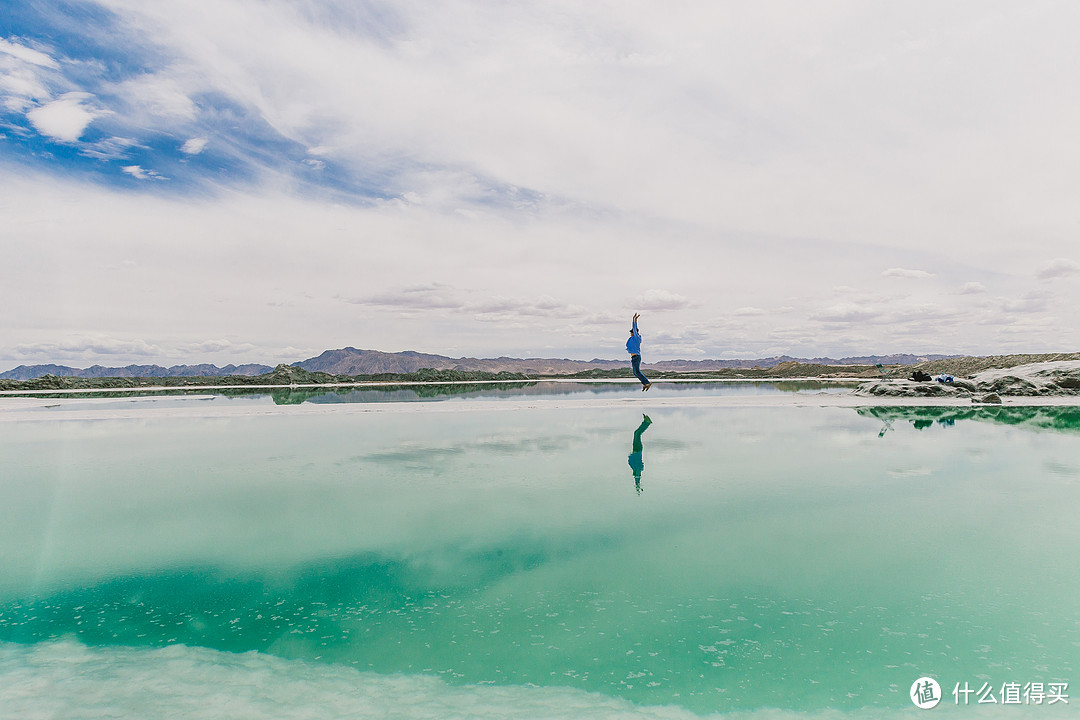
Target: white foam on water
x=66 y=679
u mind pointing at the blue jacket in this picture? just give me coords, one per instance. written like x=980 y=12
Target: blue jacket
x=633 y=345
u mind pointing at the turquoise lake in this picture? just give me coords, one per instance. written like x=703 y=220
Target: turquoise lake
x=767 y=562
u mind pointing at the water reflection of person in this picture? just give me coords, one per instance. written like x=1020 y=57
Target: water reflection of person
x=637 y=464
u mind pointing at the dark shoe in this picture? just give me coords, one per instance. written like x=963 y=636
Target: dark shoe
x=647 y=386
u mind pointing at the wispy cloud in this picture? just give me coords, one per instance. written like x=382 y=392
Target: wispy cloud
x=440 y=297
x=846 y=313
x=81 y=347
x=158 y=96
x=656 y=300
x=1061 y=267
x=907 y=274
x=1030 y=303
x=140 y=173
x=23 y=76
x=27 y=54
x=113 y=148
x=216 y=347
x=543 y=305
x=432 y=296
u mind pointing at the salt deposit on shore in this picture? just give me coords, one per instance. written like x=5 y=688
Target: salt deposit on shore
x=1036 y=380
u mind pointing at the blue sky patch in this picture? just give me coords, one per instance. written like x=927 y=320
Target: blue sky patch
x=86 y=97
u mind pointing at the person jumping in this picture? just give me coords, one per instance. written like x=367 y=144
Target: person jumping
x=633 y=346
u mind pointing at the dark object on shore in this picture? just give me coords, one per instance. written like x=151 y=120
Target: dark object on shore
x=920 y=376
x=991 y=399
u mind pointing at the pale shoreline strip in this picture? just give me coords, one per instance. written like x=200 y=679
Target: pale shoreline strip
x=405 y=383
x=52 y=409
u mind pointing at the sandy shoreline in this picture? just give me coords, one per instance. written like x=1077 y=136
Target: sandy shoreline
x=32 y=409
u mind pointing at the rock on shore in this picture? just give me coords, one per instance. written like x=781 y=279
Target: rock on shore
x=1035 y=379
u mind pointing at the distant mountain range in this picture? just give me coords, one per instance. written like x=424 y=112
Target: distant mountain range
x=351 y=361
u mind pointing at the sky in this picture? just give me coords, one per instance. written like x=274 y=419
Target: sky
x=261 y=180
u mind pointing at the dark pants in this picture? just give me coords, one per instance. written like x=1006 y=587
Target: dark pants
x=635 y=459
x=635 y=360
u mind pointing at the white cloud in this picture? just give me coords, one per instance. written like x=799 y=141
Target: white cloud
x=656 y=300
x=582 y=154
x=24 y=74
x=537 y=283
x=64 y=119
x=88 y=347
x=616 y=111
x=495 y=308
x=26 y=54
x=83 y=351
x=846 y=313
x=1030 y=303
x=140 y=173
x=1061 y=267
x=907 y=274
x=432 y=296
x=194 y=146
x=543 y=306
x=216 y=347
x=20 y=91
x=114 y=148
x=159 y=96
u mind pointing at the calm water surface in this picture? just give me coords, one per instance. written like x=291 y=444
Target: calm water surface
x=548 y=563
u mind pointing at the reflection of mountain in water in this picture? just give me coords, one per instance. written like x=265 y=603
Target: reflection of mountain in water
x=1064 y=419
x=418 y=392
x=396 y=393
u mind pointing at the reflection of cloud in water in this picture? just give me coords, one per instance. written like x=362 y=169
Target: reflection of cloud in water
x=669 y=443
x=180 y=681
x=1063 y=469
x=910 y=472
x=425 y=454
x=409 y=455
